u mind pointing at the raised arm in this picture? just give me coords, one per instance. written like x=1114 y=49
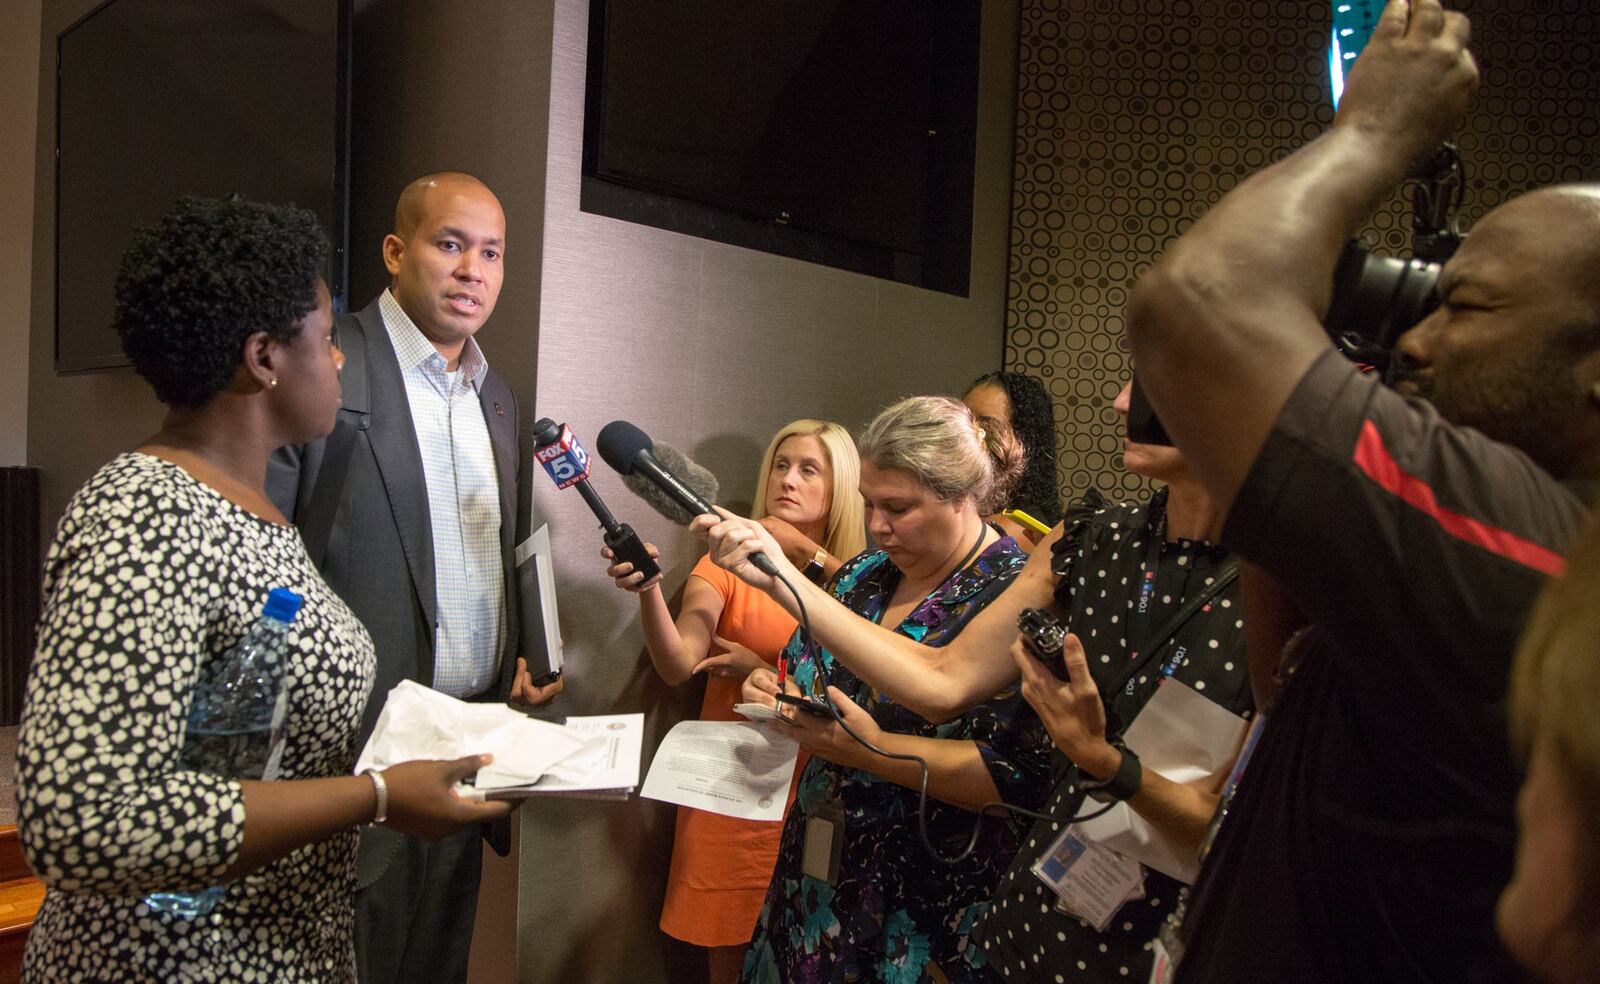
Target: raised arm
x=676 y=646
x=937 y=683
x=1229 y=320
x=799 y=548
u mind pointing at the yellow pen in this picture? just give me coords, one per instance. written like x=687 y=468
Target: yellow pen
x=1028 y=521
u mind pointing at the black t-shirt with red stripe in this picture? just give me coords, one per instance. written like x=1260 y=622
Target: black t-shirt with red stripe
x=1374 y=825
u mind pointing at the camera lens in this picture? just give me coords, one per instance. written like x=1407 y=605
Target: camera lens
x=1375 y=299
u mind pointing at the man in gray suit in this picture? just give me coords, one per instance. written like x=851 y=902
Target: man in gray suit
x=409 y=509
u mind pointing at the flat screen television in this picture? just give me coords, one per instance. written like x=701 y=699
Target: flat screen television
x=835 y=131
x=160 y=98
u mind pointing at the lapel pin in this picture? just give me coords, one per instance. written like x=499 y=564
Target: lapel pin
x=498 y=409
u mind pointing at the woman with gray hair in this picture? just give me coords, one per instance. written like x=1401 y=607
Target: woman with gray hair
x=854 y=896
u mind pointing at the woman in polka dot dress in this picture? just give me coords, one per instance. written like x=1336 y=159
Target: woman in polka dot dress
x=161 y=562
x=1122 y=574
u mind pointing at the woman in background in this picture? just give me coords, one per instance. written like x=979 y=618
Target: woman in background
x=721 y=865
x=1549 y=916
x=872 y=905
x=160 y=564
x=1023 y=408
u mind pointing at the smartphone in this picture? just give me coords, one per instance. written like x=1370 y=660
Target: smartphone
x=1353 y=24
x=811 y=705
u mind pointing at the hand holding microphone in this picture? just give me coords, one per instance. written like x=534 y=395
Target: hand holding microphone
x=630 y=451
x=740 y=546
x=568 y=464
x=622 y=574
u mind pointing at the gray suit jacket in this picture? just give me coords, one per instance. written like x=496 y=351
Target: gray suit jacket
x=360 y=500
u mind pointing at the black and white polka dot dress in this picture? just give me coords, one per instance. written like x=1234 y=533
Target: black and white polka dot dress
x=151 y=575
x=1119 y=580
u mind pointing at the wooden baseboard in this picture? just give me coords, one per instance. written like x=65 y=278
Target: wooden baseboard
x=12 y=866
x=21 y=894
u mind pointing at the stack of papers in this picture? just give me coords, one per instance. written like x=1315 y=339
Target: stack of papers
x=588 y=756
x=606 y=767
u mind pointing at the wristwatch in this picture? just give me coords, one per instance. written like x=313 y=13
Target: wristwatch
x=1125 y=783
x=813 y=570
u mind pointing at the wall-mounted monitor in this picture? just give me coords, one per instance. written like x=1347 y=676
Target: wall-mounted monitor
x=159 y=98
x=835 y=131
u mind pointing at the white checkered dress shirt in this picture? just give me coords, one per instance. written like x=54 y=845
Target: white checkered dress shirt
x=463 y=504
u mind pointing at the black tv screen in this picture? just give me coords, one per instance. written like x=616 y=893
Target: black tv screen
x=838 y=131
x=160 y=98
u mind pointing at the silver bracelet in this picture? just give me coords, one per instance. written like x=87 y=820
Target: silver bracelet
x=382 y=789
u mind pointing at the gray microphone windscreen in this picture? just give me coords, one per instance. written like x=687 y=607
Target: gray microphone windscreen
x=694 y=476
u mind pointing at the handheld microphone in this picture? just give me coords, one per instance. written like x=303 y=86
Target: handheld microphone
x=699 y=480
x=628 y=449
x=567 y=464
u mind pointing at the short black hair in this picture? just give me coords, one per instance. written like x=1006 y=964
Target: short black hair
x=1033 y=420
x=207 y=275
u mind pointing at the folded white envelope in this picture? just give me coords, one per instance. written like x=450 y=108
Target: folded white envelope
x=420 y=723
x=1188 y=739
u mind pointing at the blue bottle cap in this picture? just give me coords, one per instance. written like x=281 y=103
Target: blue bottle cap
x=282 y=604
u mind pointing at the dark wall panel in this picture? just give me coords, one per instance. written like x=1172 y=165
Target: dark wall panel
x=75 y=423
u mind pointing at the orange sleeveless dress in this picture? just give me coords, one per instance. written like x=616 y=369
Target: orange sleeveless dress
x=721 y=865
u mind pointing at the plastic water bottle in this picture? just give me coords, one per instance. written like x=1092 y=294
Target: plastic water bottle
x=235 y=724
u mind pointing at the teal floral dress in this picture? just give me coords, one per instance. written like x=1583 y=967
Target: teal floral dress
x=895 y=913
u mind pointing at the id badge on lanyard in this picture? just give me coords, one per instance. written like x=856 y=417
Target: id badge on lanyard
x=1091 y=881
x=824 y=842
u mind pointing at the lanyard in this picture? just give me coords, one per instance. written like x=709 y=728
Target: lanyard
x=1152 y=574
x=822 y=676
x=1124 y=687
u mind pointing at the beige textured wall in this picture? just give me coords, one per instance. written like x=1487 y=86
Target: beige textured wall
x=709 y=348
x=19 y=80
x=1135 y=116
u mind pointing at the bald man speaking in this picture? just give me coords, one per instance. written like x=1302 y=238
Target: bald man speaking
x=409 y=510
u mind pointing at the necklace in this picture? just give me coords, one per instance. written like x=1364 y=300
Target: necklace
x=983 y=528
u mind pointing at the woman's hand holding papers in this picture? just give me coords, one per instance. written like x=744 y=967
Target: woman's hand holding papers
x=423 y=801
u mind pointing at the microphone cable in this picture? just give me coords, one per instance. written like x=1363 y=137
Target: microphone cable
x=987 y=810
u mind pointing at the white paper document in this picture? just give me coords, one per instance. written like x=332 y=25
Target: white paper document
x=1187 y=738
x=606 y=767
x=736 y=768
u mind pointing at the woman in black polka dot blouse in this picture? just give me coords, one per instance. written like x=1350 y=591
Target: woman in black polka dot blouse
x=1124 y=578
x=161 y=563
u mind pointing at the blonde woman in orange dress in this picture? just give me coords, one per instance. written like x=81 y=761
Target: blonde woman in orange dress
x=721 y=866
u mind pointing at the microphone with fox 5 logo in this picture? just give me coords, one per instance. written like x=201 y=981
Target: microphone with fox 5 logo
x=567 y=464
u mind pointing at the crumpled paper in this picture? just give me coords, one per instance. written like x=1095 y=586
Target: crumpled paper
x=420 y=723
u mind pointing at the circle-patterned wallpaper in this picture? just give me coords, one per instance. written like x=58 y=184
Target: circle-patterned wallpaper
x=1135 y=116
